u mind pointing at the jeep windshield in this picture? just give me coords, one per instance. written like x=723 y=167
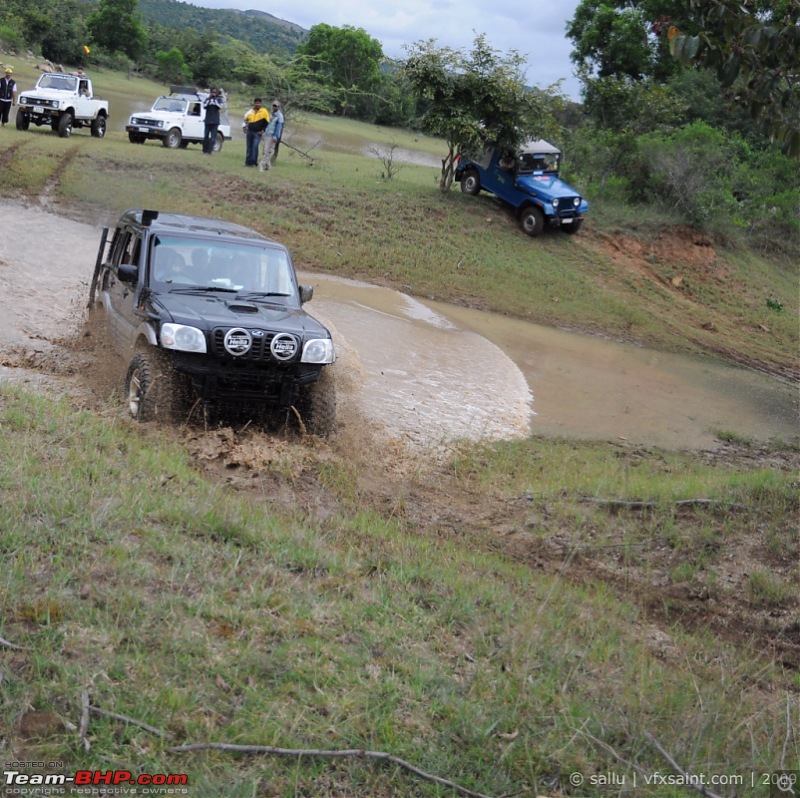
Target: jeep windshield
x=174 y=105
x=58 y=82
x=185 y=264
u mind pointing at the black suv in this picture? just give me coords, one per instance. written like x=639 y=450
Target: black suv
x=210 y=310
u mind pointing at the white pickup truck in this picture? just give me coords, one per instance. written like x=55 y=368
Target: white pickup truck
x=64 y=102
x=177 y=120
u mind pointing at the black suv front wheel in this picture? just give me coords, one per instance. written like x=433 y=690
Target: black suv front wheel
x=318 y=405
x=149 y=387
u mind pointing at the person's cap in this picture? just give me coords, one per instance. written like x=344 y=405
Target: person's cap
x=9 y=71
x=276 y=104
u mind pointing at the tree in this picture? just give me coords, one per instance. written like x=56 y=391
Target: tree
x=117 y=26
x=620 y=38
x=172 y=66
x=345 y=59
x=475 y=99
x=754 y=46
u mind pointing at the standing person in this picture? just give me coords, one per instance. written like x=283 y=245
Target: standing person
x=254 y=124
x=212 y=104
x=8 y=95
x=272 y=135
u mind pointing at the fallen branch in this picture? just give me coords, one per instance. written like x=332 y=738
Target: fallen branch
x=126 y=719
x=5 y=644
x=642 y=505
x=690 y=780
x=353 y=752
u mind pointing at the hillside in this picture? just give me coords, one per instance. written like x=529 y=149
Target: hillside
x=264 y=32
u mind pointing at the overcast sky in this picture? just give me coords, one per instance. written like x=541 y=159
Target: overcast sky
x=535 y=28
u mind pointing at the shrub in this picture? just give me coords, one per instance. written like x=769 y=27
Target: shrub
x=11 y=39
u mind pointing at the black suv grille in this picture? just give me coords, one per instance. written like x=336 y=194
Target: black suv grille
x=259 y=352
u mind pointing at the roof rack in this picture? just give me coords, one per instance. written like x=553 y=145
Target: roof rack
x=183 y=90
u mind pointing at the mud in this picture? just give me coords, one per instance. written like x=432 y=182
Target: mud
x=402 y=405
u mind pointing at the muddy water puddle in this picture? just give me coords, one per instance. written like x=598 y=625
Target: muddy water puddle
x=454 y=372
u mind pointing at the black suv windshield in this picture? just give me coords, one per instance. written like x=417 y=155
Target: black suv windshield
x=179 y=262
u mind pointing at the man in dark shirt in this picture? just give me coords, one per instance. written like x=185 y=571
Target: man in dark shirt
x=8 y=95
x=212 y=105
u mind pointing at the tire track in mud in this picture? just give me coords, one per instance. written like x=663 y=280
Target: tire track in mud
x=45 y=198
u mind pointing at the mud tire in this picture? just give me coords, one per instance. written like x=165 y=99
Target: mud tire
x=150 y=387
x=318 y=405
x=23 y=121
x=65 y=125
x=99 y=126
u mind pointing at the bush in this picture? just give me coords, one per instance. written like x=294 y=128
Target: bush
x=691 y=171
x=11 y=39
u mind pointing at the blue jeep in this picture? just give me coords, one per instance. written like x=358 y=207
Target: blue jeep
x=528 y=182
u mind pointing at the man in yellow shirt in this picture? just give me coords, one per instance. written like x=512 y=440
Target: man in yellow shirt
x=254 y=124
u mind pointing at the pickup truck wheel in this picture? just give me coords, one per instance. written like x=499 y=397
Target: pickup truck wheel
x=572 y=228
x=318 y=405
x=136 y=138
x=23 y=120
x=184 y=145
x=65 y=125
x=218 y=142
x=173 y=139
x=99 y=126
x=470 y=182
x=532 y=221
x=149 y=387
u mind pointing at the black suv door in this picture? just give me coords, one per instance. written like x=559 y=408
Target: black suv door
x=127 y=248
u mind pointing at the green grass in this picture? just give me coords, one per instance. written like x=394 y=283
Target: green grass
x=207 y=614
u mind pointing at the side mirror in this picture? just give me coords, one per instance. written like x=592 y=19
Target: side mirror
x=128 y=272
x=306 y=292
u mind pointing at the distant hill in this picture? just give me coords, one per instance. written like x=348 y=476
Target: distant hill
x=262 y=31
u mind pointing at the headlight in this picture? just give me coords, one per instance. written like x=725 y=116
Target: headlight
x=576 y=201
x=555 y=202
x=23 y=100
x=183 y=338
x=54 y=103
x=318 y=350
x=159 y=123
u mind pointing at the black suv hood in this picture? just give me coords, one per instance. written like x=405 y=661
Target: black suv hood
x=208 y=311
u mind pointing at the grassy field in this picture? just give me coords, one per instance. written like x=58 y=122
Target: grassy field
x=510 y=620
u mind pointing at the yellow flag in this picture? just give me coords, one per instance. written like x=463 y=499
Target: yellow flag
x=85 y=49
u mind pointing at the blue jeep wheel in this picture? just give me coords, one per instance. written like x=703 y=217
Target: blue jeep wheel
x=470 y=182
x=532 y=221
